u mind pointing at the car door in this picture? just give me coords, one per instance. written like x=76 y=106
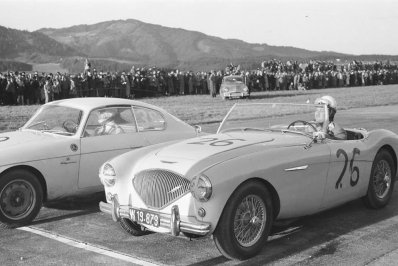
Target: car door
x=347 y=177
x=301 y=178
x=61 y=168
x=96 y=149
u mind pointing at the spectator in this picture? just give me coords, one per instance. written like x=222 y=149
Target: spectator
x=212 y=83
x=48 y=91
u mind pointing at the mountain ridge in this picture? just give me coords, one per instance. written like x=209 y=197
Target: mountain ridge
x=134 y=42
x=156 y=44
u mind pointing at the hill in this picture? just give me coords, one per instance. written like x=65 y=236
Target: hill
x=117 y=45
x=27 y=46
x=148 y=44
x=6 y=65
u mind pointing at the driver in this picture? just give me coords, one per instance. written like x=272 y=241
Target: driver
x=332 y=129
x=107 y=118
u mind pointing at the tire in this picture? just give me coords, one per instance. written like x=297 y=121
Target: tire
x=381 y=181
x=21 y=197
x=226 y=236
x=132 y=228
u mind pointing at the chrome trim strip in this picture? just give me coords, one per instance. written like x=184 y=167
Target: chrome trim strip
x=68 y=162
x=304 y=167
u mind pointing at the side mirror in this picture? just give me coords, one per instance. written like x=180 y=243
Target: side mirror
x=198 y=129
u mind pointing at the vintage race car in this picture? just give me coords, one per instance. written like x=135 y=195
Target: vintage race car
x=233 y=87
x=58 y=152
x=266 y=162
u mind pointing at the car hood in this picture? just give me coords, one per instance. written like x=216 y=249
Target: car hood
x=26 y=145
x=21 y=138
x=212 y=149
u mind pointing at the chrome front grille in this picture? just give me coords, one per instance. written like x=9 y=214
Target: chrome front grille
x=157 y=188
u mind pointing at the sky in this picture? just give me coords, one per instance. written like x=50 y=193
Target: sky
x=345 y=26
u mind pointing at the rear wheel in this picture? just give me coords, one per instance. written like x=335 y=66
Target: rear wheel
x=21 y=197
x=245 y=223
x=132 y=228
x=381 y=181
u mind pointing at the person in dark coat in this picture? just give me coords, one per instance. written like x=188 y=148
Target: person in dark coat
x=212 y=84
x=10 y=92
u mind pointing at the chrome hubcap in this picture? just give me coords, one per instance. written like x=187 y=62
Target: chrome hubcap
x=17 y=199
x=382 y=179
x=250 y=219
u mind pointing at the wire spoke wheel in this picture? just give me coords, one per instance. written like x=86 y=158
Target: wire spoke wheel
x=17 y=199
x=250 y=220
x=382 y=179
x=245 y=223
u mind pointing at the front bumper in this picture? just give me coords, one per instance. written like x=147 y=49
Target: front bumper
x=235 y=94
x=168 y=222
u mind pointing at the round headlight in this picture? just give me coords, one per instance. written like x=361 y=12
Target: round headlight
x=107 y=175
x=108 y=170
x=201 y=188
x=245 y=89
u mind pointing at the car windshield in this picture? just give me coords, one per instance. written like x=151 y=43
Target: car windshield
x=296 y=118
x=55 y=119
x=233 y=79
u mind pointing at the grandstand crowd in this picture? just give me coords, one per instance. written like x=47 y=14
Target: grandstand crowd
x=20 y=88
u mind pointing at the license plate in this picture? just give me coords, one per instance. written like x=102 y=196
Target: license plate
x=145 y=217
x=236 y=95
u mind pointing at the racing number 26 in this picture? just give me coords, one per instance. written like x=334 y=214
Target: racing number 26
x=353 y=169
x=215 y=141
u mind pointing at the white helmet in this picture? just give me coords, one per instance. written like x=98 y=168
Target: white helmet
x=328 y=100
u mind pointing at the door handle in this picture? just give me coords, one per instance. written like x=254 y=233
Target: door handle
x=68 y=161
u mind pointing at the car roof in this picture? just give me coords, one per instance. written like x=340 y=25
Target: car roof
x=90 y=103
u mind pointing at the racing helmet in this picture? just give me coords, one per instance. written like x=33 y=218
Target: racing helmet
x=330 y=103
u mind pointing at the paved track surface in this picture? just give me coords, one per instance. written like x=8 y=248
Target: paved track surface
x=74 y=232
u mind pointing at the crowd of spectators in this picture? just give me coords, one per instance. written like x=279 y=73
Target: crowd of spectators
x=18 y=88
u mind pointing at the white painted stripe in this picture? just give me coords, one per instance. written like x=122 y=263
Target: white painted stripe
x=86 y=246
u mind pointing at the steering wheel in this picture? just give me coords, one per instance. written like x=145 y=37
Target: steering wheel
x=70 y=126
x=292 y=124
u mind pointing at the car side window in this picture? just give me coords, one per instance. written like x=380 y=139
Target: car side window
x=110 y=121
x=149 y=119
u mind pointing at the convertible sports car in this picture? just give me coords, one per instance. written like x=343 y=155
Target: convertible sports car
x=233 y=87
x=267 y=162
x=58 y=152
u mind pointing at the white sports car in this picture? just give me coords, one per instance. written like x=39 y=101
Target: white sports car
x=58 y=152
x=266 y=162
x=233 y=87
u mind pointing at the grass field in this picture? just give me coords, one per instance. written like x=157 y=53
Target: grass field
x=203 y=109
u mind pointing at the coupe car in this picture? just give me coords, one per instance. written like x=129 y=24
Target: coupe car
x=233 y=87
x=267 y=162
x=58 y=152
